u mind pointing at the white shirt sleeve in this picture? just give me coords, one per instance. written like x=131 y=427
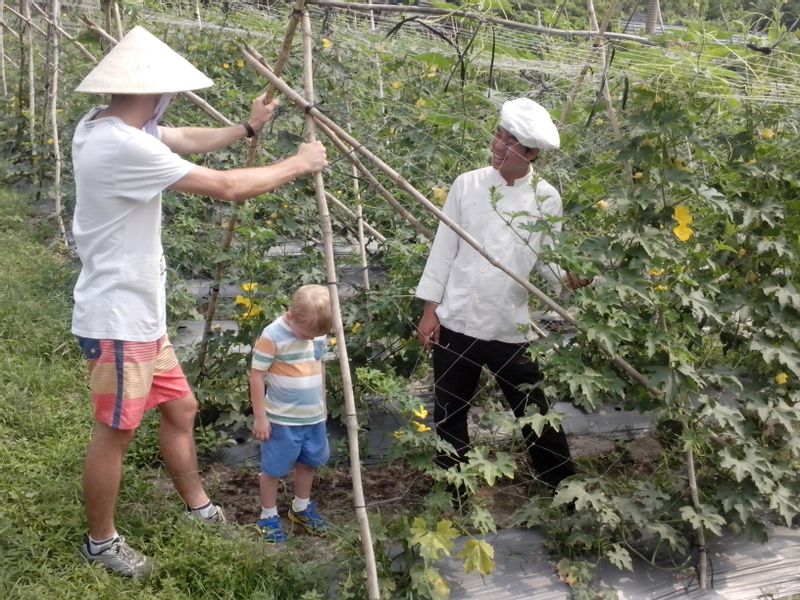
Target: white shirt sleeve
x=146 y=168
x=443 y=251
x=550 y=207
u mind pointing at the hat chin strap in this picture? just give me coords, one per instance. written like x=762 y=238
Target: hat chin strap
x=151 y=126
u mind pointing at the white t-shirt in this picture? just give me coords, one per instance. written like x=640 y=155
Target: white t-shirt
x=120 y=173
x=476 y=298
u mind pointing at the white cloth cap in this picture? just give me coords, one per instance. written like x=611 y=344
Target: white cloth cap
x=530 y=123
x=142 y=64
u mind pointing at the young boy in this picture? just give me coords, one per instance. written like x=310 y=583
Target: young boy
x=290 y=414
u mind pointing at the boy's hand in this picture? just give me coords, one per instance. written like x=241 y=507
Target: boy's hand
x=261 y=429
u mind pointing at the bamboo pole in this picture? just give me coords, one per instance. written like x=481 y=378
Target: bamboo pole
x=117 y=19
x=370 y=229
x=26 y=33
x=54 y=48
x=325 y=123
x=252 y=56
x=596 y=45
x=606 y=92
x=362 y=247
x=702 y=552
x=233 y=220
x=10 y=61
x=191 y=96
x=3 y=80
x=28 y=20
x=63 y=33
x=344 y=363
x=425 y=10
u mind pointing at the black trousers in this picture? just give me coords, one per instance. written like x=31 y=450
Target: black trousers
x=457 y=362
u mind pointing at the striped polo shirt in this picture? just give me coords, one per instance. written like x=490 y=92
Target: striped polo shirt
x=293 y=374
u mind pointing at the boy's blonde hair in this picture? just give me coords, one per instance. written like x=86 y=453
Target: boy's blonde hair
x=311 y=308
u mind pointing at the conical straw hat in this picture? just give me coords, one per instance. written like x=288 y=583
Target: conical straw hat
x=142 y=64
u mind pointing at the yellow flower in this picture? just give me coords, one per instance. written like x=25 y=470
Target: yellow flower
x=50 y=141
x=637 y=176
x=742 y=252
x=439 y=194
x=333 y=341
x=682 y=215
x=226 y=66
x=420 y=412
x=420 y=102
x=327 y=44
x=399 y=434
x=656 y=272
x=767 y=133
x=421 y=427
x=392 y=131
x=356 y=328
x=601 y=204
x=240 y=63
x=661 y=287
x=397 y=85
x=648 y=143
x=249 y=287
x=751 y=162
x=683 y=232
x=781 y=379
x=252 y=309
x=431 y=74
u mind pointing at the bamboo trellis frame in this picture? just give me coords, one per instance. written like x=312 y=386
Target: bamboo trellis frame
x=327 y=125
x=26 y=40
x=425 y=10
x=351 y=418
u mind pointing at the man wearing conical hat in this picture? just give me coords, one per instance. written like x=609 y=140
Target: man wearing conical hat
x=475 y=315
x=123 y=161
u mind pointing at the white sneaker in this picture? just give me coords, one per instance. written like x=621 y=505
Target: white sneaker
x=218 y=516
x=120 y=558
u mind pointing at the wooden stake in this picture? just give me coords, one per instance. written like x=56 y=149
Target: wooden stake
x=344 y=363
x=593 y=50
x=702 y=552
x=26 y=33
x=54 y=49
x=324 y=122
x=3 y=81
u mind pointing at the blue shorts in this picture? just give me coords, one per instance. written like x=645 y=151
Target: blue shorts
x=290 y=444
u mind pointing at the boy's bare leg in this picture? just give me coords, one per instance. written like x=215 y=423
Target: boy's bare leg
x=303 y=479
x=268 y=488
x=176 y=441
x=102 y=473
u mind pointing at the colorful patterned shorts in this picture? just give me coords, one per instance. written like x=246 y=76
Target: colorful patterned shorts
x=130 y=378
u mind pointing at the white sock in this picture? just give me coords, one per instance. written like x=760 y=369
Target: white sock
x=267 y=513
x=96 y=547
x=300 y=504
x=206 y=511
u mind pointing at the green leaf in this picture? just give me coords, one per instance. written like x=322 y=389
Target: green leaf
x=784 y=354
x=433 y=544
x=538 y=421
x=478 y=556
x=619 y=557
x=707 y=518
x=502 y=465
x=786 y=295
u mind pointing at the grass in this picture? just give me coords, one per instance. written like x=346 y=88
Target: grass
x=45 y=422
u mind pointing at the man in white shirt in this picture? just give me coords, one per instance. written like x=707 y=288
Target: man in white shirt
x=123 y=161
x=475 y=315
